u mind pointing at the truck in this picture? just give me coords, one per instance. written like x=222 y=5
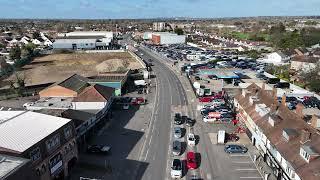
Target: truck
x=221 y=136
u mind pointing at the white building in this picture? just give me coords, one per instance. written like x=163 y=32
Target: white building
x=159 y=26
x=275 y=58
x=168 y=38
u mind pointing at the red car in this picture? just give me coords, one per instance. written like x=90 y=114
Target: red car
x=191 y=160
x=138 y=101
x=205 y=99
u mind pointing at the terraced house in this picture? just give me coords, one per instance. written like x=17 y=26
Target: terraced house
x=288 y=142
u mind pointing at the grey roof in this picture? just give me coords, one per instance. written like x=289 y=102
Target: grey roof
x=281 y=54
x=81 y=37
x=10 y=164
x=78 y=117
x=58 y=41
x=75 y=83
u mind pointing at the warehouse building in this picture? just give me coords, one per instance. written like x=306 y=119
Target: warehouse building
x=162 y=38
x=84 y=40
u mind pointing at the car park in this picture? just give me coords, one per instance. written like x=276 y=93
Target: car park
x=176 y=168
x=177 y=132
x=176 y=148
x=98 y=149
x=191 y=139
x=191 y=160
x=235 y=149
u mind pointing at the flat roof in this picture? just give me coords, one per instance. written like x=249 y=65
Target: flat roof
x=220 y=73
x=9 y=164
x=19 y=130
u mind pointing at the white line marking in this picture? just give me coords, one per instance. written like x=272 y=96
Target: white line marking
x=246 y=169
x=250 y=177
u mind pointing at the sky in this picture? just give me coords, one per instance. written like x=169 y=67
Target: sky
x=120 y=9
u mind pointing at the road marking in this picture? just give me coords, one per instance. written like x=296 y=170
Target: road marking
x=250 y=177
x=239 y=155
x=249 y=169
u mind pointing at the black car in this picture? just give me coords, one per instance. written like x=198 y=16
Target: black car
x=177 y=119
x=184 y=119
x=100 y=149
x=190 y=122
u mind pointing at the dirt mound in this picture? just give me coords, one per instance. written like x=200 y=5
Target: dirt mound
x=112 y=65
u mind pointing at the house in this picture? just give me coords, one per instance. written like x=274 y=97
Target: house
x=287 y=143
x=48 y=141
x=304 y=63
x=69 y=87
x=276 y=58
x=39 y=41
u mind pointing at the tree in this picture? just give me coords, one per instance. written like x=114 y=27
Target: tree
x=278 y=29
x=36 y=35
x=315 y=85
x=179 y=31
x=15 y=53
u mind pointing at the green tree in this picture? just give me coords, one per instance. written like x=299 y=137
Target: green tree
x=15 y=53
x=179 y=31
x=315 y=85
x=278 y=29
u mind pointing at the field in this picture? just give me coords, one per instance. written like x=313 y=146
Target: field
x=56 y=67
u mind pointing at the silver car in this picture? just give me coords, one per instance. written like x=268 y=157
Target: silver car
x=176 y=148
x=177 y=132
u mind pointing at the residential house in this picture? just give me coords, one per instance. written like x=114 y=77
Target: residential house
x=48 y=141
x=304 y=63
x=276 y=58
x=287 y=143
x=16 y=168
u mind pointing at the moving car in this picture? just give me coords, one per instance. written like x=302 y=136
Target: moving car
x=191 y=139
x=191 y=160
x=176 y=168
x=177 y=132
x=102 y=149
x=235 y=149
x=176 y=148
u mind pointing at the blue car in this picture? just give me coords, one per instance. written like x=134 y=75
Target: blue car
x=235 y=149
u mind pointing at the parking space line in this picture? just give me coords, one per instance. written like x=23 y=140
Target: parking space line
x=250 y=177
x=251 y=169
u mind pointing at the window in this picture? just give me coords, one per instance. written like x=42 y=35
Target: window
x=67 y=132
x=304 y=154
x=53 y=143
x=35 y=154
x=86 y=44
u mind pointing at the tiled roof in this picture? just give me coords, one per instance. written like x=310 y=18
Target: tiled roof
x=78 y=117
x=308 y=59
x=285 y=119
x=95 y=93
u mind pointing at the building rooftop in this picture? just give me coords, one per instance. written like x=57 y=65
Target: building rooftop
x=95 y=93
x=19 y=130
x=74 y=82
x=9 y=164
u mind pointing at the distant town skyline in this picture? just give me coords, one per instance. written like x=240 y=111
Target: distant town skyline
x=104 y=9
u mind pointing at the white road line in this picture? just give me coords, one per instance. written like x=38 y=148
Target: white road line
x=250 y=177
x=239 y=155
x=248 y=169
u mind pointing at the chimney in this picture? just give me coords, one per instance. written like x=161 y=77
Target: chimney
x=274 y=94
x=315 y=121
x=299 y=110
x=283 y=100
x=305 y=136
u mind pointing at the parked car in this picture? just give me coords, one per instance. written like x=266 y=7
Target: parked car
x=191 y=160
x=184 y=119
x=205 y=99
x=176 y=168
x=177 y=119
x=102 y=149
x=125 y=106
x=191 y=139
x=176 y=148
x=232 y=137
x=235 y=149
x=209 y=120
x=190 y=122
x=177 y=132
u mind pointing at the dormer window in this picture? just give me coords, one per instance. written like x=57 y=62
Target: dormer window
x=308 y=153
x=304 y=154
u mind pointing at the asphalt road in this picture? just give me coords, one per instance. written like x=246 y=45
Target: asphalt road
x=170 y=95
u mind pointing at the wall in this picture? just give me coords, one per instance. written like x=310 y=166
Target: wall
x=155 y=39
x=88 y=105
x=57 y=91
x=172 y=39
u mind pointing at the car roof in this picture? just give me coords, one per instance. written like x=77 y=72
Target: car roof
x=191 y=154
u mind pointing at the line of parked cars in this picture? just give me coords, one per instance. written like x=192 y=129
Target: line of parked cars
x=177 y=165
